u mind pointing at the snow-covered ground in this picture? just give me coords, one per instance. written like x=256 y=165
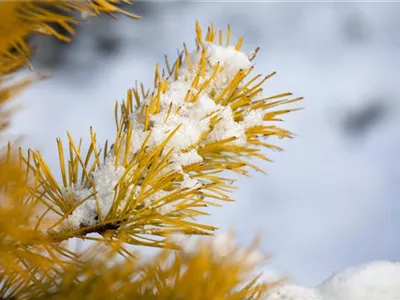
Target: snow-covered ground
x=375 y=280
x=330 y=200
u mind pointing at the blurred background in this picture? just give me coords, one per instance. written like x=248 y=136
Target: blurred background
x=332 y=198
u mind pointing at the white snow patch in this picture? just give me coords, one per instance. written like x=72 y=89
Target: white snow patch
x=229 y=57
x=104 y=179
x=253 y=118
x=189 y=182
x=377 y=280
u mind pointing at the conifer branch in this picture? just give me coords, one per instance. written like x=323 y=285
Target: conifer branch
x=205 y=115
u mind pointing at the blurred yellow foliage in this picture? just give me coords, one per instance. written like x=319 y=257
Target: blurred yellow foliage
x=21 y=19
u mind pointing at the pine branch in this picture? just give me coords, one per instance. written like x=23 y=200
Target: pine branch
x=205 y=115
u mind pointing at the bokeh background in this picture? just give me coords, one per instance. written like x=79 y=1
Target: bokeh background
x=332 y=198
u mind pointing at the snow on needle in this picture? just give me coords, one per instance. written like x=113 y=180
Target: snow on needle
x=205 y=114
